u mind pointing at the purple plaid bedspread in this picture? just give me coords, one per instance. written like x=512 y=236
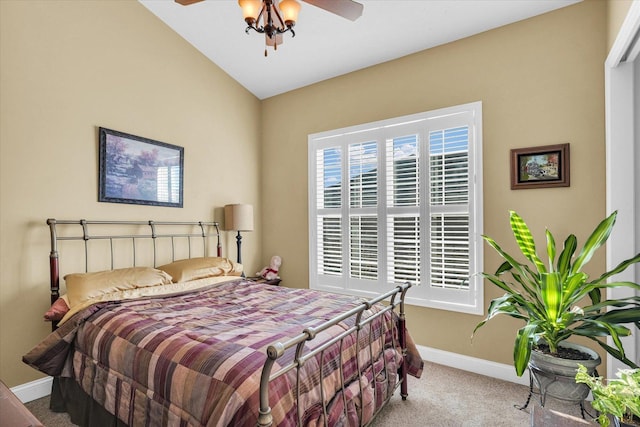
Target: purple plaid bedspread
x=195 y=359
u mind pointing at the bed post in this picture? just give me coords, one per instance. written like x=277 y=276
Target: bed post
x=54 y=272
x=265 y=419
x=402 y=330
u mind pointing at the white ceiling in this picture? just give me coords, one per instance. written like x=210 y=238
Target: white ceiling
x=327 y=45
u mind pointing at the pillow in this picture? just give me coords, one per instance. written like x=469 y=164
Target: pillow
x=199 y=268
x=84 y=286
x=58 y=309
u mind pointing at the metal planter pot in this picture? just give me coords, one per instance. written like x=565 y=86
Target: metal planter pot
x=555 y=377
x=619 y=423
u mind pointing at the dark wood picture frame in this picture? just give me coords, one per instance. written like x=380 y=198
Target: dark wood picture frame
x=540 y=167
x=139 y=170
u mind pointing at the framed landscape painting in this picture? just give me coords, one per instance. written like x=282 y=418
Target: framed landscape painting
x=540 y=167
x=139 y=170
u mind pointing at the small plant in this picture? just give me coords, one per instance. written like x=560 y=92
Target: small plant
x=619 y=397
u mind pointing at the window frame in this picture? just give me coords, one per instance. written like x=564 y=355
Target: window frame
x=470 y=300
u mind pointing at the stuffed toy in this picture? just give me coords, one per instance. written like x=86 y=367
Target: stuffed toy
x=271 y=272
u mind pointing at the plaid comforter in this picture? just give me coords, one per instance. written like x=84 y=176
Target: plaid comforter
x=195 y=359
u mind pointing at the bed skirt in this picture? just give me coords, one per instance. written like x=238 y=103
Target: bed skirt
x=67 y=396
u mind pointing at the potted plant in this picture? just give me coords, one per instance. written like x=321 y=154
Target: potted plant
x=618 y=397
x=557 y=300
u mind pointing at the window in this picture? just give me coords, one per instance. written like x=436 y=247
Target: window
x=168 y=184
x=400 y=200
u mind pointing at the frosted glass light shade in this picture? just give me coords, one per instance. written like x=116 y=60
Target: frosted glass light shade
x=290 y=10
x=250 y=8
x=238 y=217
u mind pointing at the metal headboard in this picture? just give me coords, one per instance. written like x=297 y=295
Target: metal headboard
x=204 y=232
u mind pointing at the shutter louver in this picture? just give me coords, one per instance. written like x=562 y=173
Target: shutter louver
x=330 y=246
x=363 y=174
x=449 y=166
x=450 y=251
x=404 y=249
x=329 y=178
x=364 y=247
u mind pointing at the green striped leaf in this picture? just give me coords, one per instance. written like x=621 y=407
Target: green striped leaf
x=551 y=250
x=522 y=349
x=595 y=240
x=525 y=240
x=551 y=290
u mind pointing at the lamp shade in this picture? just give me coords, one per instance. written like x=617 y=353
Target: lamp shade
x=250 y=8
x=238 y=217
x=290 y=10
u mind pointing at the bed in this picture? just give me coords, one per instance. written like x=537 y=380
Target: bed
x=159 y=329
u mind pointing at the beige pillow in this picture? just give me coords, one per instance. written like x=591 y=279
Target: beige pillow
x=199 y=268
x=84 y=286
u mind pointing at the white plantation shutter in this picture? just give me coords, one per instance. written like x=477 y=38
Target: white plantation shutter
x=329 y=203
x=363 y=200
x=403 y=206
x=400 y=200
x=449 y=207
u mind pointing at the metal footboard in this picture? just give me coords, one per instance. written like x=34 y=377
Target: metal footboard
x=277 y=350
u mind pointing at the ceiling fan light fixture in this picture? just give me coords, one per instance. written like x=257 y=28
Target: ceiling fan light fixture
x=270 y=13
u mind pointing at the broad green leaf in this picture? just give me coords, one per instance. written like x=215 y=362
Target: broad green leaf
x=624 y=315
x=514 y=264
x=619 y=268
x=615 y=353
x=522 y=349
x=551 y=295
x=572 y=285
x=525 y=240
x=551 y=250
x=595 y=240
x=564 y=260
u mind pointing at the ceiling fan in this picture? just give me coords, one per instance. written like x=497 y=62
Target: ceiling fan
x=280 y=16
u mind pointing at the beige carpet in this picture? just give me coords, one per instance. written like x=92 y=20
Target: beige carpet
x=443 y=397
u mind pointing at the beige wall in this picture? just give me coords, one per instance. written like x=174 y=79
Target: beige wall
x=541 y=82
x=67 y=67
x=616 y=13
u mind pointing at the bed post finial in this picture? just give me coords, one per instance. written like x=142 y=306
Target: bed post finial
x=219 y=246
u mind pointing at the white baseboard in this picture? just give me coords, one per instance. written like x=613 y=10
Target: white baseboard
x=42 y=387
x=33 y=390
x=488 y=368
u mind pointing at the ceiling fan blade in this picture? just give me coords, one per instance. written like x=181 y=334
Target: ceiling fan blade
x=188 y=2
x=349 y=9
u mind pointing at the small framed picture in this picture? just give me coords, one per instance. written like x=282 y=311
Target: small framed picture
x=139 y=170
x=540 y=167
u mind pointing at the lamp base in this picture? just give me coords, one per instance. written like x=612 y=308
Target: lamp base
x=239 y=244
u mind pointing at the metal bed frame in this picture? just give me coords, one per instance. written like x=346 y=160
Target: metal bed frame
x=150 y=230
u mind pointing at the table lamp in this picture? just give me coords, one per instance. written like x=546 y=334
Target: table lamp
x=239 y=217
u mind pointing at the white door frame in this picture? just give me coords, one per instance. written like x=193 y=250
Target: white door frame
x=622 y=145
